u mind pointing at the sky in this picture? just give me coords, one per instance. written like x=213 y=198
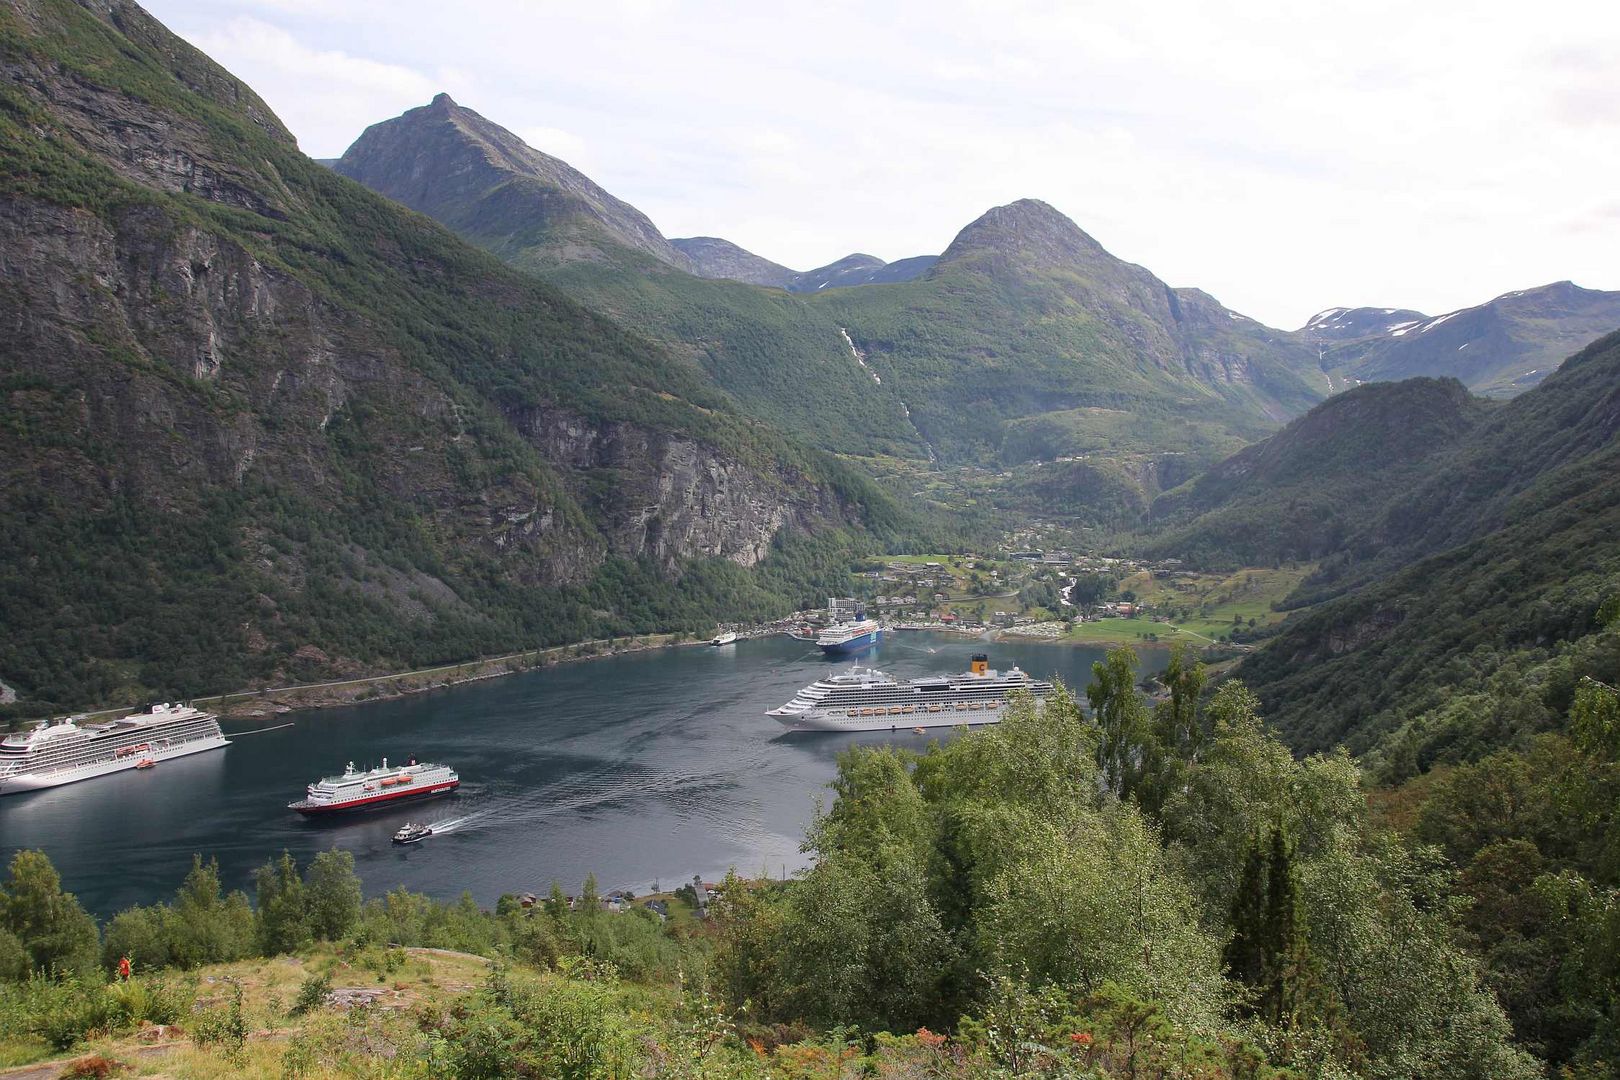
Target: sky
x=1286 y=157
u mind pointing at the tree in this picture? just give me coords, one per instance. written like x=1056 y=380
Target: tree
x=1177 y=737
x=1594 y=720
x=332 y=895
x=283 y=920
x=57 y=935
x=1267 y=951
x=1118 y=711
x=589 y=901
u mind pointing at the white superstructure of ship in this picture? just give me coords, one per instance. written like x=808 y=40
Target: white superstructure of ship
x=65 y=751
x=360 y=790
x=848 y=637
x=865 y=699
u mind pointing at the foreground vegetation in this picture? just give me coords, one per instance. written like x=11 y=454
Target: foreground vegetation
x=1139 y=891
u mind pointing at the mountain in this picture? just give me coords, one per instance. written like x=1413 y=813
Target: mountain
x=858 y=269
x=1499 y=348
x=1461 y=614
x=1300 y=494
x=263 y=424
x=1025 y=316
x=712 y=257
x=1359 y=324
x=715 y=258
x=495 y=189
x=1024 y=345
x=783 y=362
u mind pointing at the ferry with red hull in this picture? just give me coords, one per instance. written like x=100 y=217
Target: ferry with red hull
x=356 y=790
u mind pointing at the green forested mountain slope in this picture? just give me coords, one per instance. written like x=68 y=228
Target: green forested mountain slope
x=1025 y=314
x=713 y=257
x=260 y=422
x=1462 y=616
x=1499 y=348
x=782 y=361
x=1024 y=321
x=1302 y=493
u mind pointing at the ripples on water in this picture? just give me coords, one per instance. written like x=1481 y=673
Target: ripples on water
x=652 y=766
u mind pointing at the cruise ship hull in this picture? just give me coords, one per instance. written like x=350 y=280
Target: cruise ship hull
x=852 y=645
x=382 y=798
x=946 y=717
x=38 y=781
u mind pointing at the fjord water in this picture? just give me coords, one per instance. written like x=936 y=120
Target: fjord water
x=645 y=767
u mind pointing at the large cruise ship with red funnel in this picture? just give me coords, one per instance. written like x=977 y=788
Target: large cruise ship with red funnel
x=356 y=790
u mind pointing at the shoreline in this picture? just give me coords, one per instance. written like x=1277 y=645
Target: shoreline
x=252 y=706
x=255 y=705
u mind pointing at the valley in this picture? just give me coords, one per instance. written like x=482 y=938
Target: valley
x=363 y=452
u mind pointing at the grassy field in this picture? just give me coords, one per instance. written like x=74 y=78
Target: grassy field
x=323 y=1043
x=1200 y=607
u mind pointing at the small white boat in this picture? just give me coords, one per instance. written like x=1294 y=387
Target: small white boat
x=413 y=833
x=723 y=639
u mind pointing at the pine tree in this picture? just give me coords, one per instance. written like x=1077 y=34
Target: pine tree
x=1267 y=951
x=1245 y=953
x=1284 y=937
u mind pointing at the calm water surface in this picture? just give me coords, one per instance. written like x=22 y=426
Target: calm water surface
x=642 y=768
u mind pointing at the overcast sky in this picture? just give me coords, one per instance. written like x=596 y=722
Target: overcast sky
x=1286 y=157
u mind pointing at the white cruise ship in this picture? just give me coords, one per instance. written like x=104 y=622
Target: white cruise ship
x=69 y=750
x=865 y=699
x=356 y=790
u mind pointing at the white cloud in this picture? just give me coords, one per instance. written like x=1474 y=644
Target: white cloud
x=1284 y=156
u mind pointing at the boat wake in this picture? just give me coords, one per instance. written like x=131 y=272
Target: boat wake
x=914 y=648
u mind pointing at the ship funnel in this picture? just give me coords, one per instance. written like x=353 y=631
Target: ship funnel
x=981 y=664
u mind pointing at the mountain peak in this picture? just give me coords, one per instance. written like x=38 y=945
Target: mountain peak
x=451 y=163
x=1029 y=232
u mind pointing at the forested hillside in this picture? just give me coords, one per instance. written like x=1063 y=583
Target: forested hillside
x=787 y=364
x=1461 y=617
x=262 y=423
x=1302 y=494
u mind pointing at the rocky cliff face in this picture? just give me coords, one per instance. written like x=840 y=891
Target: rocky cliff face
x=178 y=363
x=668 y=498
x=259 y=422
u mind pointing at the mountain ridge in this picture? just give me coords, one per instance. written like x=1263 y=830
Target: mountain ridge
x=1500 y=555
x=1499 y=348
x=713 y=257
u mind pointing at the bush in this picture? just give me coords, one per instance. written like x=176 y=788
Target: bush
x=224 y=1027
x=312 y=993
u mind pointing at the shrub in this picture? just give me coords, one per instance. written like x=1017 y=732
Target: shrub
x=224 y=1027
x=312 y=993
